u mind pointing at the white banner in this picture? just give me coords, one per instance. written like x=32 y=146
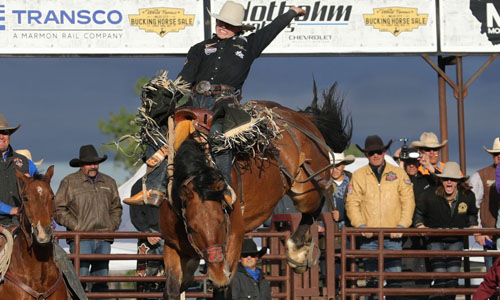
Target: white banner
x=100 y=26
x=470 y=26
x=347 y=26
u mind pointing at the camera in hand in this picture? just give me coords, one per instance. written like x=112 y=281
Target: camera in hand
x=407 y=152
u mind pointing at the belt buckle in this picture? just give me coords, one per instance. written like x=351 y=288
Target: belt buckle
x=203 y=87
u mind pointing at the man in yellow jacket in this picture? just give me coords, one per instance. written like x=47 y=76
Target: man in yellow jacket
x=380 y=195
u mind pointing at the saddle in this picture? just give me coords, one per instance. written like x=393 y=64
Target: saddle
x=202 y=118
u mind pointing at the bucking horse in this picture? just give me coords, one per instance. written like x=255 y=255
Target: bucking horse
x=291 y=154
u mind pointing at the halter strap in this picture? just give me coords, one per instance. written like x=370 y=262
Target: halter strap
x=35 y=294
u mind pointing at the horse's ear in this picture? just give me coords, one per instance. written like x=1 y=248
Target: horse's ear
x=49 y=174
x=21 y=177
x=185 y=193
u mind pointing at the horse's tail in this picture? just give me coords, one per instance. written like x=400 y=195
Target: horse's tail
x=334 y=124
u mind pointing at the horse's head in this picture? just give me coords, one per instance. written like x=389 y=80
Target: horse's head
x=37 y=208
x=198 y=194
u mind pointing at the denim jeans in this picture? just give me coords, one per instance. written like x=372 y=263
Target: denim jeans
x=156 y=179
x=224 y=159
x=445 y=264
x=390 y=264
x=94 y=267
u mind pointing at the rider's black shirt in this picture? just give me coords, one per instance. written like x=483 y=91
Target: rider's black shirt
x=228 y=61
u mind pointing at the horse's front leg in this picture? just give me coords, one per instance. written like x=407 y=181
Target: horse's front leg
x=173 y=271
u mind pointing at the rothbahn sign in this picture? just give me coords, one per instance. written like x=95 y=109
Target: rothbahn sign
x=331 y=27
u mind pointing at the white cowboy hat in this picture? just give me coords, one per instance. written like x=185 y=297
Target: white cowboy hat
x=340 y=158
x=429 y=140
x=26 y=153
x=232 y=13
x=495 y=148
x=451 y=170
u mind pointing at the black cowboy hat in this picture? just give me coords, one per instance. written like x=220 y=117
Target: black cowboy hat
x=374 y=143
x=249 y=248
x=88 y=155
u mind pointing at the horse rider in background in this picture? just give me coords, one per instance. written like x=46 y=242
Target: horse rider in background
x=10 y=201
x=216 y=69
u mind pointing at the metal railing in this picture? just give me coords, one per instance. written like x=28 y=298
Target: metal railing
x=316 y=283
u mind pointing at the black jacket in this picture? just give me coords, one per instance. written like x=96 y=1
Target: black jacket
x=228 y=61
x=8 y=182
x=245 y=287
x=434 y=211
x=422 y=183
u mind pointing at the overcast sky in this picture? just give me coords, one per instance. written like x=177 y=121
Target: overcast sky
x=58 y=101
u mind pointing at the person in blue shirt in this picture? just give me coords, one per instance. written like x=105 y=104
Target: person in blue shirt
x=249 y=282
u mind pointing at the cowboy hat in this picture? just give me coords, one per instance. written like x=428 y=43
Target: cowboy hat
x=451 y=170
x=429 y=140
x=88 y=155
x=340 y=158
x=26 y=153
x=495 y=148
x=374 y=143
x=249 y=248
x=232 y=13
x=4 y=125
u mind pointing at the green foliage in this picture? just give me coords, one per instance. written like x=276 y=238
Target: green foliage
x=118 y=126
x=354 y=151
x=139 y=84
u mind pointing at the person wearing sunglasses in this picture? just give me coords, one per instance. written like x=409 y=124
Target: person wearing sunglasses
x=451 y=204
x=487 y=200
x=249 y=281
x=380 y=195
x=430 y=149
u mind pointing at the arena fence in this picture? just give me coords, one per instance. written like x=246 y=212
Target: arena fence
x=320 y=282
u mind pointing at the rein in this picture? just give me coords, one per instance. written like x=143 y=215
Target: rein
x=23 y=216
x=35 y=294
x=214 y=253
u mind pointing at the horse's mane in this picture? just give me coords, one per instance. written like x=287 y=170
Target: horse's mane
x=38 y=176
x=334 y=125
x=190 y=161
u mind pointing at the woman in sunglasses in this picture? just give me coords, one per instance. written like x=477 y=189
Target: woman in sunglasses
x=451 y=204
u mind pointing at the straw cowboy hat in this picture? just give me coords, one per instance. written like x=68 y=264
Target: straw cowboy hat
x=88 y=155
x=495 y=148
x=4 y=125
x=250 y=248
x=429 y=140
x=374 y=143
x=340 y=158
x=232 y=13
x=26 y=153
x=451 y=170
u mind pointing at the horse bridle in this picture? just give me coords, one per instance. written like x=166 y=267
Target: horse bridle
x=214 y=253
x=29 y=239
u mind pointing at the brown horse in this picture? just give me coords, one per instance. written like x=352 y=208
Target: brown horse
x=33 y=273
x=201 y=224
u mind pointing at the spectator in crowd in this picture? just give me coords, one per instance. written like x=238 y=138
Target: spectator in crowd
x=487 y=200
x=490 y=283
x=249 y=281
x=421 y=183
x=341 y=179
x=380 y=195
x=450 y=204
x=145 y=218
x=88 y=200
x=10 y=200
x=430 y=148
